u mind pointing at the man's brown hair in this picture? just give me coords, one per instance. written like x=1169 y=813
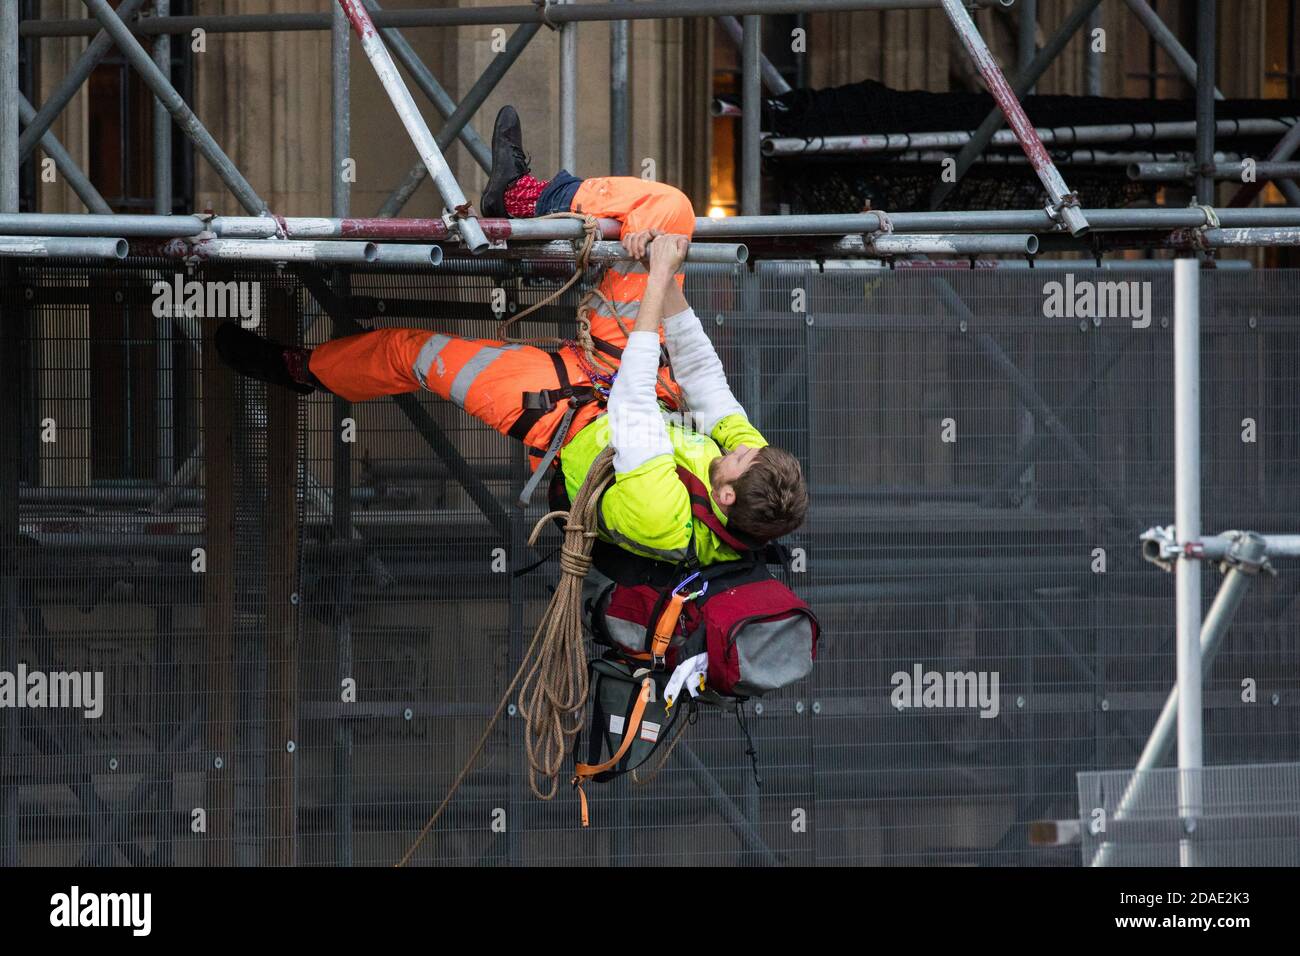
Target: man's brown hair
x=771 y=496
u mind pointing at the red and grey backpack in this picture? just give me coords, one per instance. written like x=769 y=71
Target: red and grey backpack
x=723 y=633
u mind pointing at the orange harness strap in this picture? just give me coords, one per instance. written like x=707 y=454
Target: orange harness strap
x=585 y=771
x=665 y=627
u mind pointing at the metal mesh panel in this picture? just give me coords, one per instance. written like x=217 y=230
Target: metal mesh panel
x=1244 y=816
x=980 y=473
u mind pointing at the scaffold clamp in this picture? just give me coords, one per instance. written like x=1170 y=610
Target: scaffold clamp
x=1056 y=210
x=1160 y=546
x=1247 y=553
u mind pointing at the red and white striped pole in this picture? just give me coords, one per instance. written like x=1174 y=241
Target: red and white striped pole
x=1064 y=202
x=454 y=197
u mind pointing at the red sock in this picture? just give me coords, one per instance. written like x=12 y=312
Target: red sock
x=521 y=196
x=297 y=361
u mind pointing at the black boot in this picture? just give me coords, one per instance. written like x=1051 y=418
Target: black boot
x=267 y=361
x=509 y=162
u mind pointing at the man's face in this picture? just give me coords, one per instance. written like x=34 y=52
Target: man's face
x=725 y=470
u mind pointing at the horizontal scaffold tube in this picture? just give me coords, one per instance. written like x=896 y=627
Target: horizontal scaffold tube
x=483 y=16
x=1165 y=172
x=94 y=224
x=540 y=230
x=264 y=250
x=70 y=247
x=397 y=254
x=1057 y=135
x=718 y=253
x=1083 y=157
x=901 y=243
x=1229 y=238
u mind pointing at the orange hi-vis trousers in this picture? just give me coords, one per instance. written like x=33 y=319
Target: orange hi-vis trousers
x=485 y=377
x=488 y=378
x=638 y=205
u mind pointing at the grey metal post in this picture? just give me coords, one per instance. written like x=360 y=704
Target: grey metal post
x=341 y=499
x=11 y=331
x=1092 y=59
x=772 y=78
x=1205 y=59
x=435 y=92
x=340 y=114
x=1264 y=171
x=620 y=112
x=1246 y=558
x=469 y=105
x=162 y=122
x=1065 y=203
x=416 y=128
x=65 y=164
x=162 y=206
x=1026 y=36
x=751 y=106
x=184 y=116
x=1167 y=41
x=569 y=95
x=1187 y=521
x=95 y=51
x=9 y=157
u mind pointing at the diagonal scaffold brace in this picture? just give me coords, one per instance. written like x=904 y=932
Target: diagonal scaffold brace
x=1064 y=203
x=454 y=197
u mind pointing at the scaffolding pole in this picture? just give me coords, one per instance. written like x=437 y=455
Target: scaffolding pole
x=772 y=78
x=71 y=247
x=99 y=47
x=620 y=112
x=568 y=95
x=551 y=14
x=1026 y=36
x=1172 y=172
x=1092 y=59
x=1167 y=41
x=416 y=128
x=1246 y=556
x=435 y=93
x=77 y=180
x=750 y=121
x=1205 y=58
x=139 y=58
x=460 y=117
x=162 y=121
x=1007 y=232
x=1055 y=136
x=1009 y=108
x=1187 y=519
x=994 y=221
x=9 y=94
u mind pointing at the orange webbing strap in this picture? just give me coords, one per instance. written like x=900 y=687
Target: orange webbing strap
x=665 y=627
x=585 y=771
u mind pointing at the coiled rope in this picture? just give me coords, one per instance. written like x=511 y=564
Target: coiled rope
x=552 y=680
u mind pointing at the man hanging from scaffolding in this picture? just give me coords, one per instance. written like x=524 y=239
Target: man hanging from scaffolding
x=709 y=476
